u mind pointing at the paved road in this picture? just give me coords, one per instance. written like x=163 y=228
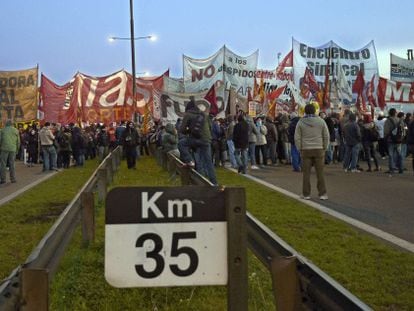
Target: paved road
x=375 y=198
x=26 y=177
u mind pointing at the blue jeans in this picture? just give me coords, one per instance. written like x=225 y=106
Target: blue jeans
x=271 y=151
x=204 y=164
x=241 y=156
x=351 y=157
x=286 y=149
x=296 y=160
x=252 y=153
x=230 y=145
x=395 y=157
x=49 y=157
x=329 y=153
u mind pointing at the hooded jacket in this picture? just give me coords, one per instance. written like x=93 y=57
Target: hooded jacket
x=9 y=138
x=170 y=138
x=311 y=133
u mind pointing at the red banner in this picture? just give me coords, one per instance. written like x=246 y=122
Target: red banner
x=56 y=102
x=97 y=99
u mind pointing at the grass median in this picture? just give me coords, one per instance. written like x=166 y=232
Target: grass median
x=377 y=273
x=26 y=219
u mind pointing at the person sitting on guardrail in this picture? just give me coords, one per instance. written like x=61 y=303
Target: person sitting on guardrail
x=169 y=140
x=196 y=127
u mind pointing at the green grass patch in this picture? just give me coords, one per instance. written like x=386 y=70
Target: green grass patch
x=377 y=273
x=80 y=282
x=27 y=218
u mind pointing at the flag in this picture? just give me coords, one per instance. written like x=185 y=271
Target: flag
x=358 y=88
x=276 y=93
x=272 y=109
x=370 y=92
x=261 y=90
x=212 y=99
x=255 y=88
x=381 y=90
x=326 y=90
x=343 y=87
x=286 y=62
x=249 y=96
x=309 y=85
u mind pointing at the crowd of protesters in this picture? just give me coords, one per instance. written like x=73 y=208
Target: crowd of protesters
x=205 y=142
x=57 y=147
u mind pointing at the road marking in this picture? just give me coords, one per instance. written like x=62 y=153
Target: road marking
x=406 y=245
x=27 y=187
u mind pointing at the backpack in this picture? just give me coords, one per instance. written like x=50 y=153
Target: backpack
x=63 y=142
x=398 y=133
x=195 y=127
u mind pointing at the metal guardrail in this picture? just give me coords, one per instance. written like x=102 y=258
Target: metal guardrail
x=297 y=283
x=26 y=285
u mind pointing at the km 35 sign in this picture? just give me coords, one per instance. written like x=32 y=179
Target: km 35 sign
x=165 y=236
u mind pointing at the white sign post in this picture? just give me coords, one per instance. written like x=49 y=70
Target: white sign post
x=177 y=236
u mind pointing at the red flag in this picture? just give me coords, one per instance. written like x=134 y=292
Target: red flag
x=370 y=95
x=212 y=99
x=382 y=86
x=309 y=84
x=326 y=100
x=255 y=88
x=249 y=96
x=358 y=88
x=276 y=93
x=286 y=62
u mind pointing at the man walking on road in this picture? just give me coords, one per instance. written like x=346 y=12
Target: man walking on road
x=49 y=151
x=312 y=138
x=9 y=145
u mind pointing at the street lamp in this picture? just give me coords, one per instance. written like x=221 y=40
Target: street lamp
x=132 y=38
x=150 y=37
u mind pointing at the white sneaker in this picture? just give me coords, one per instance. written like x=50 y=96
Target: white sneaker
x=323 y=197
x=254 y=167
x=305 y=197
x=355 y=171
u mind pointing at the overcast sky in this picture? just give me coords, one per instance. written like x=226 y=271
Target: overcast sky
x=64 y=37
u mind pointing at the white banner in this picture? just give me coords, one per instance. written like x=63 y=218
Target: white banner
x=172 y=105
x=224 y=67
x=200 y=74
x=316 y=59
x=402 y=70
x=239 y=71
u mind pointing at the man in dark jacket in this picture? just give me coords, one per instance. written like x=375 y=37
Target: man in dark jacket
x=271 y=140
x=196 y=127
x=352 y=138
x=241 y=143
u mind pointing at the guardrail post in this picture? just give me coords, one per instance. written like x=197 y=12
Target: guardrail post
x=102 y=180
x=185 y=176
x=109 y=171
x=35 y=289
x=237 y=287
x=114 y=167
x=88 y=217
x=286 y=283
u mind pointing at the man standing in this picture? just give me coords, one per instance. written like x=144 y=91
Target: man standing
x=48 y=149
x=393 y=138
x=241 y=143
x=9 y=145
x=312 y=138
